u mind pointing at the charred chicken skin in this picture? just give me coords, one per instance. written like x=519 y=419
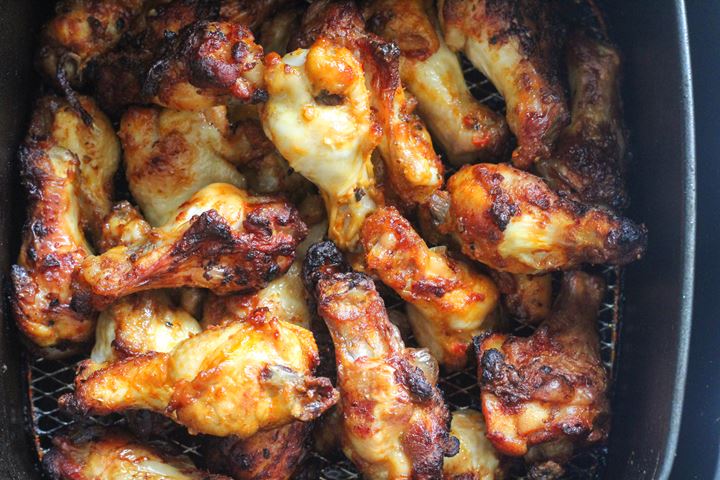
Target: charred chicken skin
x=448 y=303
x=552 y=385
x=466 y=129
x=589 y=159
x=512 y=221
x=221 y=238
x=512 y=42
x=394 y=421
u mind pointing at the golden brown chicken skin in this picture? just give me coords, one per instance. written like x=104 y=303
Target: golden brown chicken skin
x=448 y=303
x=589 y=159
x=236 y=379
x=512 y=221
x=526 y=298
x=466 y=129
x=513 y=43
x=113 y=454
x=394 y=421
x=551 y=385
x=221 y=238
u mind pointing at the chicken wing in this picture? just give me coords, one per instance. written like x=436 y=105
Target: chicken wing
x=394 y=421
x=412 y=168
x=221 y=238
x=512 y=221
x=477 y=458
x=448 y=303
x=551 y=385
x=512 y=42
x=527 y=298
x=466 y=129
x=236 y=379
x=318 y=116
x=98 y=454
x=589 y=159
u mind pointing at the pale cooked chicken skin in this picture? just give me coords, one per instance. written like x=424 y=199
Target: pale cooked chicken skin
x=466 y=129
x=221 y=238
x=589 y=159
x=448 y=303
x=512 y=42
x=477 y=458
x=170 y=155
x=551 y=385
x=526 y=298
x=412 y=168
x=512 y=221
x=319 y=118
x=113 y=454
x=236 y=379
x=394 y=421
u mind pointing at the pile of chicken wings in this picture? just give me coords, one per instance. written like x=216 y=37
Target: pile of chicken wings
x=222 y=192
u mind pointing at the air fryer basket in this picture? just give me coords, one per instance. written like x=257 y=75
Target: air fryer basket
x=650 y=373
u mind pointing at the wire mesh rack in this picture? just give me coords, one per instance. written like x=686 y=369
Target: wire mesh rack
x=49 y=379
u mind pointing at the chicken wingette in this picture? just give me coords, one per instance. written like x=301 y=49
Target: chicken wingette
x=221 y=238
x=512 y=221
x=477 y=458
x=466 y=129
x=526 y=298
x=513 y=43
x=448 y=303
x=552 y=385
x=394 y=421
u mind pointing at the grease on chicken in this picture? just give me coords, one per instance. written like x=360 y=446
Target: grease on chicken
x=113 y=454
x=512 y=221
x=589 y=159
x=477 y=458
x=466 y=129
x=236 y=379
x=221 y=238
x=448 y=303
x=552 y=385
x=318 y=116
x=512 y=43
x=394 y=421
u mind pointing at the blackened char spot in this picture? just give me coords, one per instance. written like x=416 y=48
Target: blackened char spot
x=210 y=225
x=414 y=380
x=322 y=259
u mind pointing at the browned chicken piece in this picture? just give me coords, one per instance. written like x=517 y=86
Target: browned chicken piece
x=551 y=385
x=477 y=458
x=514 y=43
x=113 y=454
x=466 y=129
x=80 y=31
x=236 y=379
x=271 y=455
x=589 y=159
x=527 y=298
x=412 y=167
x=221 y=238
x=67 y=167
x=123 y=226
x=394 y=421
x=448 y=303
x=512 y=221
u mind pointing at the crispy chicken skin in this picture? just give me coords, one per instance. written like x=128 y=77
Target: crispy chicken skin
x=448 y=303
x=113 y=454
x=412 y=168
x=526 y=298
x=394 y=421
x=589 y=159
x=551 y=385
x=221 y=238
x=477 y=458
x=270 y=455
x=171 y=154
x=80 y=31
x=318 y=116
x=235 y=379
x=466 y=129
x=512 y=42
x=512 y=221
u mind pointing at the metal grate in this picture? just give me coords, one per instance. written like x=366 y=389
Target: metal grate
x=49 y=379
